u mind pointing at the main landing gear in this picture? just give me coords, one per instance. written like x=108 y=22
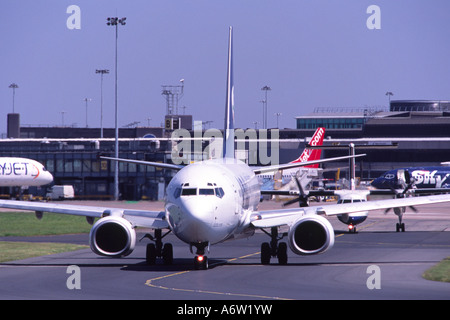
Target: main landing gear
x=157 y=249
x=274 y=249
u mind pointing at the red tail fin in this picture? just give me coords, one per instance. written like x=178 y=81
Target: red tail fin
x=312 y=154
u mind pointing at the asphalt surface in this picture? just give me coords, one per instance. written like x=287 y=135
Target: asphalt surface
x=375 y=263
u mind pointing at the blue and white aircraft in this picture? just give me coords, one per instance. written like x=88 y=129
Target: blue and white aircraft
x=212 y=201
x=435 y=177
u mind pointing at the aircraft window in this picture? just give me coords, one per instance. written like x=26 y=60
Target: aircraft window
x=347 y=201
x=206 y=192
x=357 y=200
x=189 y=192
x=219 y=193
x=177 y=193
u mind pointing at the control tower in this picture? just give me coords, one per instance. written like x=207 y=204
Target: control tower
x=173 y=119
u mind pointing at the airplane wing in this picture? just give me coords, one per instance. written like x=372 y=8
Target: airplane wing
x=379 y=192
x=309 y=193
x=147 y=163
x=258 y=170
x=139 y=218
x=274 y=218
x=301 y=164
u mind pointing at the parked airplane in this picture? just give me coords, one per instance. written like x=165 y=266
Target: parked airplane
x=399 y=186
x=282 y=178
x=423 y=177
x=212 y=201
x=312 y=154
x=22 y=172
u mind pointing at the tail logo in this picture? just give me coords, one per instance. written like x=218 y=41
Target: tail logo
x=318 y=137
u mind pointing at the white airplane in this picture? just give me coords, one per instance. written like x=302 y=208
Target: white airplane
x=212 y=201
x=22 y=172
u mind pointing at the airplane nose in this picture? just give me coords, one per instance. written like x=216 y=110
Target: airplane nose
x=376 y=183
x=48 y=177
x=191 y=220
x=198 y=210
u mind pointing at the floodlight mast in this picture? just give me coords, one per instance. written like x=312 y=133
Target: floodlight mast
x=102 y=72
x=114 y=21
x=14 y=86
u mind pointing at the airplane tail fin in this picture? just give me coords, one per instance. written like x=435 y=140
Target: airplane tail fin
x=228 y=141
x=312 y=154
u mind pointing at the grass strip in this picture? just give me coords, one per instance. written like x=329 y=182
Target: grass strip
x=11 y=251
x=439 y=272
x=23 y=224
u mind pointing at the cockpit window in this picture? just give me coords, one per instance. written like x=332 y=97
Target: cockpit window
x=189 y=192
x=350 y=200
x=206 y=192
x=219 y=192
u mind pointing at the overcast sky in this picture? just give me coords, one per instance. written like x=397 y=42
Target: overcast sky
x=311 y=53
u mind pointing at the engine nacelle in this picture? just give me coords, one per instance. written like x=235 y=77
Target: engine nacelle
x=311 y=234
x=112 y=236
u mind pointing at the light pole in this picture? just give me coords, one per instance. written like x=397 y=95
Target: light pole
x=62 y=117
x=115 y=22
x=87 y=100
x=265 y=88
x=278 y=114
x=389 y=94
x=263 y=102
x=14 y=87
x=102 y=72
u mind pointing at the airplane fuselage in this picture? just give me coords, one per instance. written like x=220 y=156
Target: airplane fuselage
x=355 y=218
x=210 y=201
x=18 y=172
x=424 y=177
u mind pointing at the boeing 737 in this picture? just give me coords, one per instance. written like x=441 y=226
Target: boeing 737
x=215 y=200
x=22 y=172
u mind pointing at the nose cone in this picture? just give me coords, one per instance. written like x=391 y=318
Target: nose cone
x=192 y=220
x=197 y=220
x=47 y=177
x=383 y=183
x=377 y=183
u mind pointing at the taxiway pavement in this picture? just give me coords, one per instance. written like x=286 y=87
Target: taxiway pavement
x=344 y=272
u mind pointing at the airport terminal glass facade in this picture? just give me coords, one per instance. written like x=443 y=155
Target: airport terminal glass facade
x=77 y=163
x=340 y=122
x=419 y=105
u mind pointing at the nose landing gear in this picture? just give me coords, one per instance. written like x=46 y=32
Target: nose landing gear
x=200 y=260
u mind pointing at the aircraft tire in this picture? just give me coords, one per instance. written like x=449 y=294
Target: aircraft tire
x=167 y=254
x=265 y=253
x=150 y=255
x=282 y=253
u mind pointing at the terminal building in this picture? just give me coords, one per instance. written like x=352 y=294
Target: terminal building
x=410 y=133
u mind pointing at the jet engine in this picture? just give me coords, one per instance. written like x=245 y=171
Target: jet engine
x=311 y=234
x=112 y=236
